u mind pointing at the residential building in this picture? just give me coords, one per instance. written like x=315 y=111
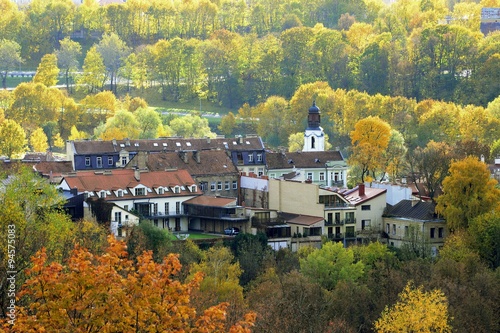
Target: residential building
x=326 y=168
x=348 y=215
x=415 y=220
x=247 y=153
x=121 y=196
x=214 y=214
x=212 y=170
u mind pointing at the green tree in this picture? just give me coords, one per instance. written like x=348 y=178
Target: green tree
x=47 y=72
x=468 y=192
x=331 y=264
x=191 y=127
x=416 y=311
x=113 y=52
x=10 y=59
x=485 y=233
x=122 y=125
x=149 y=121
x=67 y=58
x=12 y=138
x=38 y=140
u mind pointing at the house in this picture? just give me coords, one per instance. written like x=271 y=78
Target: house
x=247 y=153
x=214 y=214
x=122 y=196
x=320 y=167
x=213 y=170
x=414 y=219
x=348 y=215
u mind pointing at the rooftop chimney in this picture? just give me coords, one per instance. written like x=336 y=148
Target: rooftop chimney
x=183 y=155
x=361 y=190
x=137 y=174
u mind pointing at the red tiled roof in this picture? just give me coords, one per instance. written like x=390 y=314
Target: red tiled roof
x=92 y=181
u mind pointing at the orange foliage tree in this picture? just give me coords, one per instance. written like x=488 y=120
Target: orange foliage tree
x=110 y=293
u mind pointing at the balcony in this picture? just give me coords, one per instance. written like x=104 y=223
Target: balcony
x=335 y=222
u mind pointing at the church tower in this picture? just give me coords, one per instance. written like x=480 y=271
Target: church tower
x=314 y=137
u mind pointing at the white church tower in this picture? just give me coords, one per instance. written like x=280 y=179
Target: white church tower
x=314 y=137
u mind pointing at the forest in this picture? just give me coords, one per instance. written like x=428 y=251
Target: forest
x=420 y=72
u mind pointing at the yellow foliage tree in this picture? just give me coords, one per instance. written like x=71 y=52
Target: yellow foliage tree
x=12 y=138
x=370 y=139
x=416 y=311
x=38 y=140
x=75 y=134
x=58 y=141
x=47 y=71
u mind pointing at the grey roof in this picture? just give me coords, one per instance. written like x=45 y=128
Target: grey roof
x=410 y=209
x=167 y=144
x=302 y=159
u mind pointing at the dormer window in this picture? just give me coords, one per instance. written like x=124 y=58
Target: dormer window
x=177 y=189
x=193 y=188
x=140 y=191
x=160 y=190
x=102 y=194
x=119 y=193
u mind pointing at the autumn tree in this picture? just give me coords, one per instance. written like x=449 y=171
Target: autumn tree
x=38 y=140
x=47 y=71
x=122 y=125
x=485 y=232
x=370 y=139
x=94 y=72
x=75 y=134
x=12 y=138
x=416 y=311
x=10 y=58
x=227 y=124
x=108 y=292
x=468 y=192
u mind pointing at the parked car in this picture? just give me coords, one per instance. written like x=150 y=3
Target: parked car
x=231 y=231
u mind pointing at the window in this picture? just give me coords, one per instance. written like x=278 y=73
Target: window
x=441 y=232
x=349 y=217
x=365 y=207
x=124 y=160
x=87 y=161
x=155 y=222
x=235 y=185
x=261 y=171
x=118 y=217
x=219 y=186
x=212 y=186
x=388 y=228
x=177 y=189
x=102 y=194
x=272 y=175
x=407 y=231
x=227 y=186
x=310 y=175
x=393 y=229
x=110 y=160
x=250 y=157
x=99 y=162
x=321 y=176
x=155 y=209
x=365 y=224
x=166 y=208
x=140 y=191
x=119 y=193
x=160 y=190
x=125 y=207
x=259 y=157
x=433 y=232
x=193 y=188
x=178 y=207
x=203 y=186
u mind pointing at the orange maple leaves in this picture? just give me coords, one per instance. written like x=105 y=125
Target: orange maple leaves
x=110 y=293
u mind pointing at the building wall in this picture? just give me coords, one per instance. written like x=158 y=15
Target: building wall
x=395 y=228
x=294 y=197
x=374 y=214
